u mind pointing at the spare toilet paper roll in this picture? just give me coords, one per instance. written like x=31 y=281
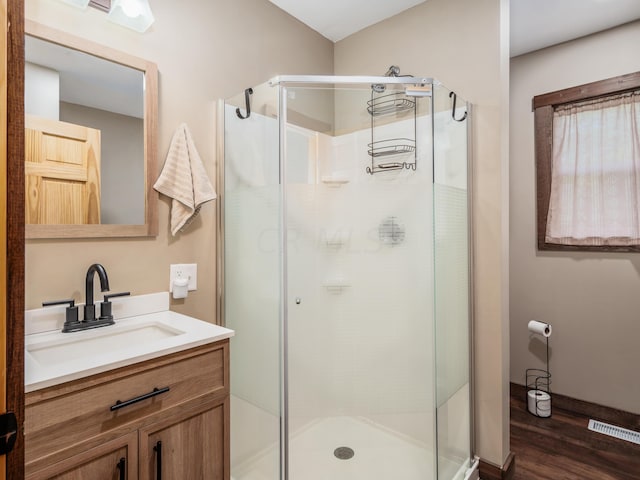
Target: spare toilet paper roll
x=539 y=403
x=540 y=328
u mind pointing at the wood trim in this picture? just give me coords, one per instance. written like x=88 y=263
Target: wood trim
x=611 y=415
x=87 y=231
x=630 y=81
x=151 y=146
x=3 y=221
x=15 y=230
x=39 y=30
x=543 y=119
x=489 y=471
x=150 y=69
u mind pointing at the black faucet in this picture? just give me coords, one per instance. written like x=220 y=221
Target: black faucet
x=72 y=324
x=89 y=307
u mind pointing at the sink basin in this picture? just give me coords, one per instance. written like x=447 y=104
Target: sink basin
x=71 y=347
x=53 y=357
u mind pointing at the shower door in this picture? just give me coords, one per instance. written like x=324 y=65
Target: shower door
x=360 y=366
x=250 y=276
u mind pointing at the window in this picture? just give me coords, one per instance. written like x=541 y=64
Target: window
x=588 y=166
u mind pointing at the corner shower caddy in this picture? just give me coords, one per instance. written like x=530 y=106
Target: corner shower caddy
x=390 y=104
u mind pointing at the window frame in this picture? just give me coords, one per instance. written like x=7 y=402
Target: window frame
x=543 y=107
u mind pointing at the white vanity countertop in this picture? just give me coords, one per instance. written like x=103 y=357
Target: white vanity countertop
x=53 y=357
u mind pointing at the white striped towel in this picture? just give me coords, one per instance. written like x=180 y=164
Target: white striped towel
x=184 y=179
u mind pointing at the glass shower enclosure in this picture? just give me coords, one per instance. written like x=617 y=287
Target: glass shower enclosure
x=345 y=270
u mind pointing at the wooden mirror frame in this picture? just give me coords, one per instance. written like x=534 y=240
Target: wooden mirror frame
x=150 y=70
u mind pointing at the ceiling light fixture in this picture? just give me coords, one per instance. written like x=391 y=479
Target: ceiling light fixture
x=134 y=14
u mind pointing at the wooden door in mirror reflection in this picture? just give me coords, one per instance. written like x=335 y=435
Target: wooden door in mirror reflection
x=62 y=173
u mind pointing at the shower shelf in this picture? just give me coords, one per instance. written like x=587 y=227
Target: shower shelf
x=392 y=146
x=336 y=285
x=334 y=180
x=335 y=239
x=404 y=149
x=389 y=104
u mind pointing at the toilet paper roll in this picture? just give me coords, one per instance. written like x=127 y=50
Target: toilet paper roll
x=540 y=328
x=539 y=403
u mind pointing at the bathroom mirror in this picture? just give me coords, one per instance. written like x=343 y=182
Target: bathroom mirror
x=90 y=139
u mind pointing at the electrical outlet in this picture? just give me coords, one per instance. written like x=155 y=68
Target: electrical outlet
x=184 y=270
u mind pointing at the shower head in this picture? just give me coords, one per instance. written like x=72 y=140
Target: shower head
x=393 y=71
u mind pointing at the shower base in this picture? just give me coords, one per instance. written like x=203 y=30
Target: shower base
x=378 y=453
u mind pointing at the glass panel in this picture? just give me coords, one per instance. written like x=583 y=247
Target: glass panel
x=252 y=257
x=375 y=308
x=451 y=286
x=359 y=275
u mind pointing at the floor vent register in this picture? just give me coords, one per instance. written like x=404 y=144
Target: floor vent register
x=613 y=431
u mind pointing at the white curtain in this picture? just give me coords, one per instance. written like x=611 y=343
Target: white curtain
x=595 y=178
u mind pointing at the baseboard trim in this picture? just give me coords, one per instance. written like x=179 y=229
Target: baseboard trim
x=581 y=407
x=489 y=471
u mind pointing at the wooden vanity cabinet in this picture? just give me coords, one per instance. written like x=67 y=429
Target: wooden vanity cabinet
x=181 y=433
x=187 y=445
x=117 y=459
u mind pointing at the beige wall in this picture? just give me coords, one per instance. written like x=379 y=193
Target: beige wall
x=122 y=193
x=204 y=49
x=216 y=49
x=464 y=44
x=591 y=299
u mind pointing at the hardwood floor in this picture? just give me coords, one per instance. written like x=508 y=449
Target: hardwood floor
x=562 y=448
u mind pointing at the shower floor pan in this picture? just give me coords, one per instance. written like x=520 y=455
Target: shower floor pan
x=378 y=453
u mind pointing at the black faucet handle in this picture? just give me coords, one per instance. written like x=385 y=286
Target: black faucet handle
x=105 y=306
x=71 y=314
x=112 y=295
x=70 y=301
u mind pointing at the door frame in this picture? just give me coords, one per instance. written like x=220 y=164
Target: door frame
x=15 y=231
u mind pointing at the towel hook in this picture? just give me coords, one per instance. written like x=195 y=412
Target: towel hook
x=453 y=109
x=247 y=92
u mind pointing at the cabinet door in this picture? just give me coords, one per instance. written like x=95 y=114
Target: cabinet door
x=189 y=444
x=114 y=460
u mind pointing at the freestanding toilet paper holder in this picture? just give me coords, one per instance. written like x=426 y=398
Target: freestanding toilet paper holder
x=538 y=392
x=538 y=382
